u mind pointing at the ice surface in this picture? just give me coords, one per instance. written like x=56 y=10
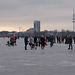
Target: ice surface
x=14 y=60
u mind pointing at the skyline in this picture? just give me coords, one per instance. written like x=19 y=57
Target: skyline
x=53 y=15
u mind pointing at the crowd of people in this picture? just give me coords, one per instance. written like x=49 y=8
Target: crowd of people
x=41 y=41
x=12 y=41
x=34 y=42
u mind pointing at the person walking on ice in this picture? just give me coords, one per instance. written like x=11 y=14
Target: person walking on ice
x=26 y=42
x=70 y=42
x=42 y=42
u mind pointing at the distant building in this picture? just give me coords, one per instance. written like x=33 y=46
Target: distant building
x=37 y=26
x=31 y=30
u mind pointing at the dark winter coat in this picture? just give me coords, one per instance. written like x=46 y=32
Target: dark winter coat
x=51 y=39
x=42 y=41
x=26 y=40
x=70 y=39
x=35 y=39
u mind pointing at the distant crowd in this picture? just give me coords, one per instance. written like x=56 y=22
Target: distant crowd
x=34 y=42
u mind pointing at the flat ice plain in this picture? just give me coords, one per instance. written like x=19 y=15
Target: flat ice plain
x=14 y=60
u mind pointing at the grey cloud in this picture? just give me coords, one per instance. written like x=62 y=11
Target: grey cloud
x=47 y=11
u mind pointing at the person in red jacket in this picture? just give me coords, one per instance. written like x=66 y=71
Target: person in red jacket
x=14 y=38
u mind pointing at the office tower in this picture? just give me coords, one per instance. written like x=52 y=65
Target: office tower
x=37 y=26
x=73 y=21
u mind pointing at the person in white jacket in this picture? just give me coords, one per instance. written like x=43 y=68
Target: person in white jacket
x=31 y=42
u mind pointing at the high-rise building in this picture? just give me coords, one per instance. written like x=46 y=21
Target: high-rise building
x=37 y=26
x=73 y=20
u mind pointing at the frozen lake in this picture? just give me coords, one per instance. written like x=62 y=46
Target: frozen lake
x=14 y=60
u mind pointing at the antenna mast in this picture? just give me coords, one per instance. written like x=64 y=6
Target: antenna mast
x=73 y=20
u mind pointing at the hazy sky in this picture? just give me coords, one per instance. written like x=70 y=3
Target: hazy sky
x=53 y=14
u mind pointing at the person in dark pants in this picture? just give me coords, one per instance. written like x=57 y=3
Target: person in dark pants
x=51 y=40
x=39 y=41
x=42 y=42
x=70 y=42
x=26 y=42
x=35 y=42
x=74 y=39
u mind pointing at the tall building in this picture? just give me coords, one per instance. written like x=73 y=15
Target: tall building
x=73 y=20
x=37 y=26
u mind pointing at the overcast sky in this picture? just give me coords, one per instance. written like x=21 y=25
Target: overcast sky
x=53 y=14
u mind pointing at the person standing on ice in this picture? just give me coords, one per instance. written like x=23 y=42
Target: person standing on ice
x=74 y=39
x=51 y=40
x=31 y=42
x=26 y=42
x=42 y=42
x=70 y=42
x=35 y=42
x=39 y=41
